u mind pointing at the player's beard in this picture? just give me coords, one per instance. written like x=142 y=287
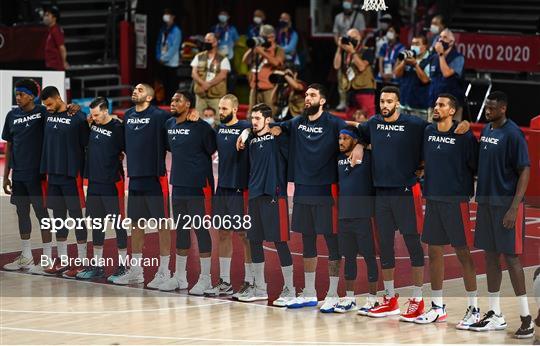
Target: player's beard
x=226 y=119
x=389 y=114
x=437 y=118
x=311 y=110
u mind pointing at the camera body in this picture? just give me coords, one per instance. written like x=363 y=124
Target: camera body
x=277 y=77
x=258 y=41
x=347 y=40
x=406 y=54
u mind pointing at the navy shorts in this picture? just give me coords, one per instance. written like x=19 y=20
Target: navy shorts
x=69 y=195
x=153 y=202
x=105 y=200
x=29 y=192
x=399 y=209
x=230 y=202
x=356 y=237
x=491 y=235
x=269 y=219
x=447 y=223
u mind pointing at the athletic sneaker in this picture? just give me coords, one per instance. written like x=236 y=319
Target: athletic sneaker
x=329 y=304
x=244 y=287
x=121 y=270
x=19 y=263
x=371 y=303
x=303 y=300
x=435 y=314
x=472 y=315
x=526 y=330
x=91 y=273
x=252 y=295
x=56 y=269
x=159 y=279
x=346 y=304
x=490 y=321
x=245 y=293
x=415 y=309
x=389 y=307
x=286 y=296
x=174 y=283
x=204 y=284
x=72 y=272
x=133 y=275
x=38 y=270
x=221 y=289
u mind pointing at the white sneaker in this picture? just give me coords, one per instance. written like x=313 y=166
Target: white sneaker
x=286 y=296
x=133 y=275
x=204 y=283
x=435 y=314
x=303 y=300
x=370 y=304
x=329 y=304
x=38 y=270
x=19 y=263
x=245 y=286
x=159 y=279
x=257 y=293
x=490 y=321
x=472 y=316
x=221 y=289
x=173 y=283
x=346 y=304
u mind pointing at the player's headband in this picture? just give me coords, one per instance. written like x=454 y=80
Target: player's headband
x=349 y=133
x=24 y=90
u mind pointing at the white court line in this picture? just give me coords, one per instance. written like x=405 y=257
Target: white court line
x=156 y=337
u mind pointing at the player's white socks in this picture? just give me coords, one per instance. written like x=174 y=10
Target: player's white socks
x=258 y=269
x=205 y=266
x=437 y=298
x=98 y=253
x=122 y=255
x=181 y=262
x=47 y=251
x=137 y=259
x=495 y=302
x=288 y=277
x=26 y=248
x=81 y=250
x=61 y=247
x=225 y=269
x=472 y=298
x=523 y=306
x=309 y=278
x=248 y=275
x=349 y=294
x=164 y=264
x=332 y=289
x=389 y=288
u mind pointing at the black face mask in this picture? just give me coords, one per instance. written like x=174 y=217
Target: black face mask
x=206 y=46
x=227 y=119
x=311 y=110
x=445 y=45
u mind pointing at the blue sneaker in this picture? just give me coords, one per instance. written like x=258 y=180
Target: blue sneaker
x=329 y=304
x=346 y=304
x=121 y=270
x=92 y=272
x=303 y=300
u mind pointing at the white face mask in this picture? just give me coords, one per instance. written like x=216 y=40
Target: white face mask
x=384 y=26
x=223 y=18
x=347 y=5
x=390 y=35
x=46 y=20
x=434 y=29
x=257 y=20
x=167 y=18
x=416 y=49
x=210 y=121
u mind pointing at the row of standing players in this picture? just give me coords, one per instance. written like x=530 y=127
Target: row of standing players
x=315 y=151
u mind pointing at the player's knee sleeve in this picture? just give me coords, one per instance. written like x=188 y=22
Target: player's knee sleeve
x=372 y=269
x=350 y=268
x=61 y=214
x=257 y=252
x=388 y=257
x=98 y=236
x=284 y=253
x=204 y=240
x=333 y=247
x=183 y=239
x=309 y=243
x=121 y=238
x=23 y=214
x=416 y=252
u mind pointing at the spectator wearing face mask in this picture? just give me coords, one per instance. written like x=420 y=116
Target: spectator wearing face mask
x=446 y=72
x=348 y=19
x=168 y=53
x=226 y=34
x=258 y=19
x=209 y=115
x=412 y=73
x=388 y=56
x=438 y=24
x=287 y=38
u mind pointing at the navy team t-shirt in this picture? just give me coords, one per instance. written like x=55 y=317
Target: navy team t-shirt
x=233 y=167
x=105 y=144
x=356 y=191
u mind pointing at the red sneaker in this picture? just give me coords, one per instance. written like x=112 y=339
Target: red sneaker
x=389 y=307
x=55 y=269
x=72 y=272
x=415 y=309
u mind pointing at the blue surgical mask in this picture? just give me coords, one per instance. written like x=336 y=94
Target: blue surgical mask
x=223 y=18
x=416 y=49
x=347 y=5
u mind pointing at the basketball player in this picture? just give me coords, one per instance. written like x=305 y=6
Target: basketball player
x=62 y=159
x=450 y=162
x=23 y=132
x=230 y=199
x=356 y=199
x=105 y=193
x=268 y=204
x=503 y=175
x=191 y=144
x=148 y=186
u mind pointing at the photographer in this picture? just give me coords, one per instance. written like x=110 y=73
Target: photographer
x=264 y=57
x=209 y=71
x=353 y=59
x=289 y=94
x=412 y=72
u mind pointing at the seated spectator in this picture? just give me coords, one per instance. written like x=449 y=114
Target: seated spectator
x=258 y=19
x=209 y=115
x=412 y=73
x=226 y=34
x=168 y=53
x=446 y=73
x=353 y=59
x=388 y=56
x=287 y=38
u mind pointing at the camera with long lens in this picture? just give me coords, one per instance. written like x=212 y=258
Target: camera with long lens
x=347 y=40
x=258 y=41
x=406 y=54
x=277 y=77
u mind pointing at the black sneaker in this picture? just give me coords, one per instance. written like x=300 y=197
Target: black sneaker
x=490 y=321
x=527 y=328
x=121 y=270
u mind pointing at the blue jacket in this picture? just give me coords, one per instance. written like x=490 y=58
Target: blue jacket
x=168 y=45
